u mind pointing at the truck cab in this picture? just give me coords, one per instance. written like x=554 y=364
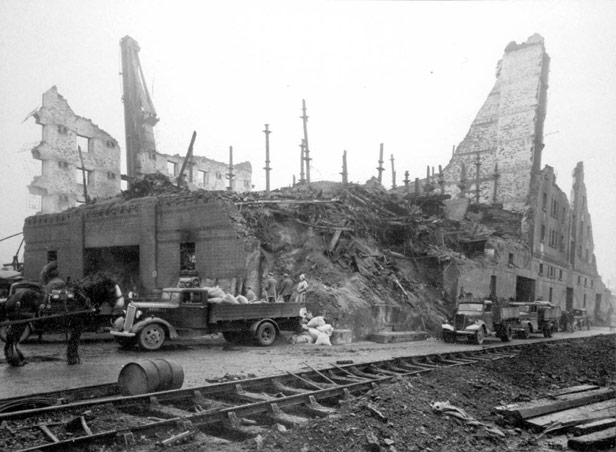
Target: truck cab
x=474 y=320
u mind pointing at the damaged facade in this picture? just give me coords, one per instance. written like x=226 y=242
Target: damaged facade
x=498 y=165
x=375 y=259
x=145 y=242
x=60 y=185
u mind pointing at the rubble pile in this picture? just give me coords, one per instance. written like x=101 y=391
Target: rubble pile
x=401 y=416
x=374 y=258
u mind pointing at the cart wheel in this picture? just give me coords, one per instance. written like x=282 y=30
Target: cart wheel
x=152 y=336
x=25 y=335
x=479 y=336
x=266 y=334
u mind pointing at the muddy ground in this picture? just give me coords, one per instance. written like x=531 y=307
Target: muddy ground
x=398 y=417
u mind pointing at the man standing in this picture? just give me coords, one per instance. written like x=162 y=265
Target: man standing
x=302 y=287
x=286 y=288
x=270 y=288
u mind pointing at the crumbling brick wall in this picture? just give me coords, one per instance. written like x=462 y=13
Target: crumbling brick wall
x=157 y=226
x=60 y=184
x=502 y=149
x=207 y=174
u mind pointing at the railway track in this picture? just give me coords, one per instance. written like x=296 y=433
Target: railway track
x=232 y=410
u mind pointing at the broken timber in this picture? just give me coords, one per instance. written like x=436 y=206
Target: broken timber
x=524 y=411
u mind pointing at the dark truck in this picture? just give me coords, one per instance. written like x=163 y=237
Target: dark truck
x=476 y=319
x=537 y=317
x=186 y=311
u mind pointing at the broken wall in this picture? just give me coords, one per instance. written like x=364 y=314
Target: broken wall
x=60 y=184
x=159 y=226
x=502 y=149
x=207 y=174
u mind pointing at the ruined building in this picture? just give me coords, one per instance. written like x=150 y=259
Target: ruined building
x=498 y=164
x=501 y=153
x=61 y=183
x=375 y=259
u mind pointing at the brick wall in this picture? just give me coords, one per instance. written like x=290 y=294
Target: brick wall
x=158 y=226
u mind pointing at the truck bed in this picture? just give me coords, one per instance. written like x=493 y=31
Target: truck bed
x=224 y=312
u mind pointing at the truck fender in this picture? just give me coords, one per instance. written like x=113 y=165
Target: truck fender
x=447 y=327
x=255 y=325
x=475 y=326
x=173 y=334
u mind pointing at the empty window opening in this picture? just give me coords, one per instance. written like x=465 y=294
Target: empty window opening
x=510 y=261
x=83 y=143
x=201 y=177
x=188 y=260
x=80 y=173
x=171 y=168
x=550 y=295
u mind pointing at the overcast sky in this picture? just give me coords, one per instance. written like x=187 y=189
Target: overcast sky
x=411 y=75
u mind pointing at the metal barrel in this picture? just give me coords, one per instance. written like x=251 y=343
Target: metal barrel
x=150 y=375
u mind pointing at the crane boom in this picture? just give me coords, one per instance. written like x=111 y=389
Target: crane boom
x=139 y=113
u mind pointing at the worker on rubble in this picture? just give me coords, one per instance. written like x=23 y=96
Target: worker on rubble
x=286 y=288
x=270 y=288
x=302 y=287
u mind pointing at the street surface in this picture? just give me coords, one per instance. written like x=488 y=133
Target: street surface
x=207 y=358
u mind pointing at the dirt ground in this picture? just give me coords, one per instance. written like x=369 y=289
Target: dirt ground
x=398 y=416
x=394 y=417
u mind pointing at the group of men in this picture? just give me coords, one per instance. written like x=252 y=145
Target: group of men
x=284 y=290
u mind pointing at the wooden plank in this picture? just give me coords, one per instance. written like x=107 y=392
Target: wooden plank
x=577 y=415
x=574 y=389
x=604 y=438
x=592 y=427
x=540 y=407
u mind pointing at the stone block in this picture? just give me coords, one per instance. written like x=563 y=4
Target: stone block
x=340 y=337
x=386 y=337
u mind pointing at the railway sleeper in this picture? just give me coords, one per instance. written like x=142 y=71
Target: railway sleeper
x=289 y=390
x=288 y=420
x=252 y=396
x=422 y=365
x=165 y=411
x=235 y=426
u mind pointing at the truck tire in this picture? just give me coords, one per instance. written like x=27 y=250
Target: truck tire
x=479 y=337
x=506 y=333
x=448 y=337
x=126 y=343
x=265 y=334
x=152 y=336
x=525 y=333
x=547 y=331
x=234 y=337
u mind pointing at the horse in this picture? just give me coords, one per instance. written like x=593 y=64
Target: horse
x=74 y=306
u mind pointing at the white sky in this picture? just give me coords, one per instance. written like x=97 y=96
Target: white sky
x=411 y=75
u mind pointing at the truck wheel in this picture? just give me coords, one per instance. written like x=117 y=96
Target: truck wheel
x=506 y=333
x=479 y=336
x=234 y=337
x=547 y=331
x=152 y=336
x=126 y=342
x=266 y=334
x=525 y=333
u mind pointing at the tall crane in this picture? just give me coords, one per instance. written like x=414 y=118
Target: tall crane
x=139 y=113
